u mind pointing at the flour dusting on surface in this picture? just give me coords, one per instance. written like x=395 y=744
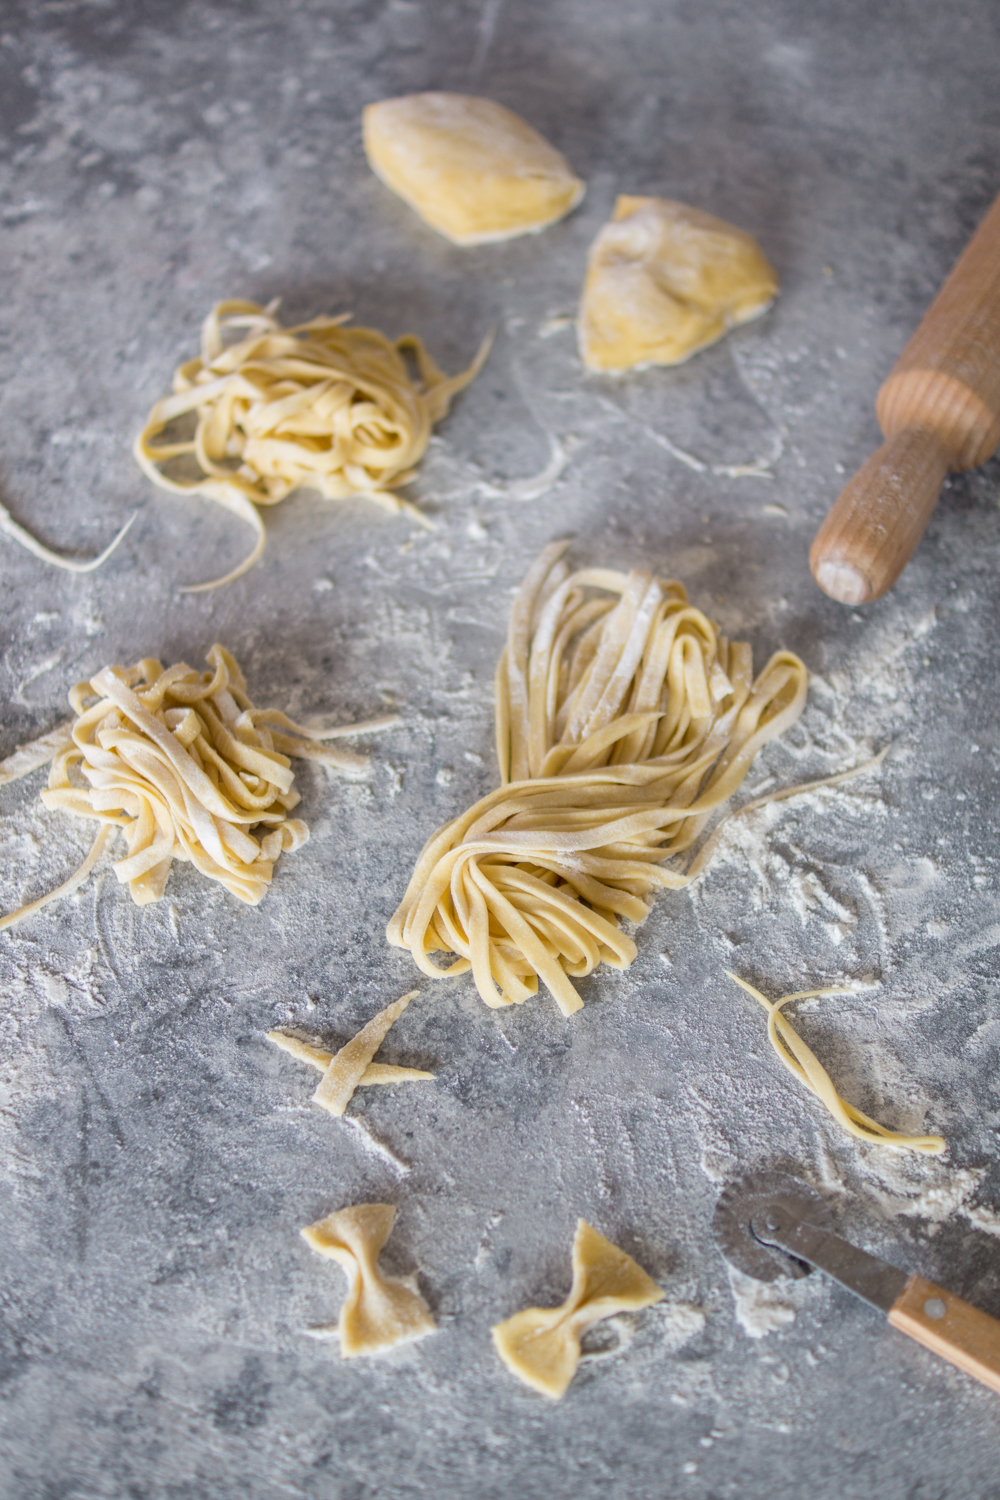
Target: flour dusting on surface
x=762 y=1307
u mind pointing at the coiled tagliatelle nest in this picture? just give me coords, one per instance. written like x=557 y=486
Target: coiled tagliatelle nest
x=319 y=405
x=623 y=721
x=187 y=767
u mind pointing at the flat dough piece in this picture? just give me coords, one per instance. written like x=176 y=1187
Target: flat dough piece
x=379 y=1311
x=541 y=1345
x=665 y=280
x=347 y=1067
x=375 y=1073
x=472 y=169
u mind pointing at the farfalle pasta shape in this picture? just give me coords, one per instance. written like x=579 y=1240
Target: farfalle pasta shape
x=624 y=720
x=378 y=1311
x=541 y=1345
x=322 y=406
x=188 y=768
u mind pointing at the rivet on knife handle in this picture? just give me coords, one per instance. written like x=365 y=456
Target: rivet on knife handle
x=940 y=412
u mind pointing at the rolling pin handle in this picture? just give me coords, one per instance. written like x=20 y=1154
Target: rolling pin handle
x=940 y=410
x=874 y=527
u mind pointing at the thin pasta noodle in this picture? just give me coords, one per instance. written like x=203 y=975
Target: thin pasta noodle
x=17 y=533
x=783 y=794
x=318 y=1057
x=187 y=767
x=67 y=888
x=624 y=720
x=36 y=753
x=804 y=1065
x=319 y=405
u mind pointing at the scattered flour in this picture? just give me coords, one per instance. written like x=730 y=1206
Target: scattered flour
x=677 y=1324
x=680 y=1322
x=934 y=1193
x=459 y=478
x=762 y=1307
x=375 y=1146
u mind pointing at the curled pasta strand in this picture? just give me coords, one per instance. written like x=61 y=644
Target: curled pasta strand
x=319 y=405
x=804 y=1065
x=67 y=888
x=187 y=767
x=623 y=724
x=18 y=533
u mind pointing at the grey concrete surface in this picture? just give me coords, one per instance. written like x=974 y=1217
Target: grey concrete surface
x=158 y=1156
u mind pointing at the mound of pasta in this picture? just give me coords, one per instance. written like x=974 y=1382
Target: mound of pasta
x=270 y=409
x=623 y=721
x=187 y=767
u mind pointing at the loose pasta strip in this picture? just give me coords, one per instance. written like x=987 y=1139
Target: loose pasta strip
x=37 y=753
x=79 y=875
x=379 y=1311
x=17 y=533
x=352 y=1066
x=541 y=1345
x=273 y=409
x=318 y=1057
x=187 y=767
x=804 y=1065
x=624 y=720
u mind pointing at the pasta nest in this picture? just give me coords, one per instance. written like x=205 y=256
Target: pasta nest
x=190 y=770
x=624 y=719
x=320 y=405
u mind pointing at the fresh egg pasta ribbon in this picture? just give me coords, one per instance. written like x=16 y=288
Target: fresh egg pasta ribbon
x=624 y=720
x=803 y=1064
x=187 y=767
x=319 y=405
x=11 y=528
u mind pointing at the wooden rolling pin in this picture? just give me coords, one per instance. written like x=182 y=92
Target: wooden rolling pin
x=940 y=412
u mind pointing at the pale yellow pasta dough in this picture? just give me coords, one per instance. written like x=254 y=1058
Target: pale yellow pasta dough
x=541 y=1345
x=624 y=720
x=379 y=1311
x=187 y=767
x=472 y=169
x=665 y=280
x=352 y=1066
x=803 y=1064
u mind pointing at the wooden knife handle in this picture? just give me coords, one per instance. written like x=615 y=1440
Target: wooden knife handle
x=940 y=411
x=943 y=1323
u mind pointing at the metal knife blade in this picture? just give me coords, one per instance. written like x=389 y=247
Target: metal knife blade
x=865 y=1275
